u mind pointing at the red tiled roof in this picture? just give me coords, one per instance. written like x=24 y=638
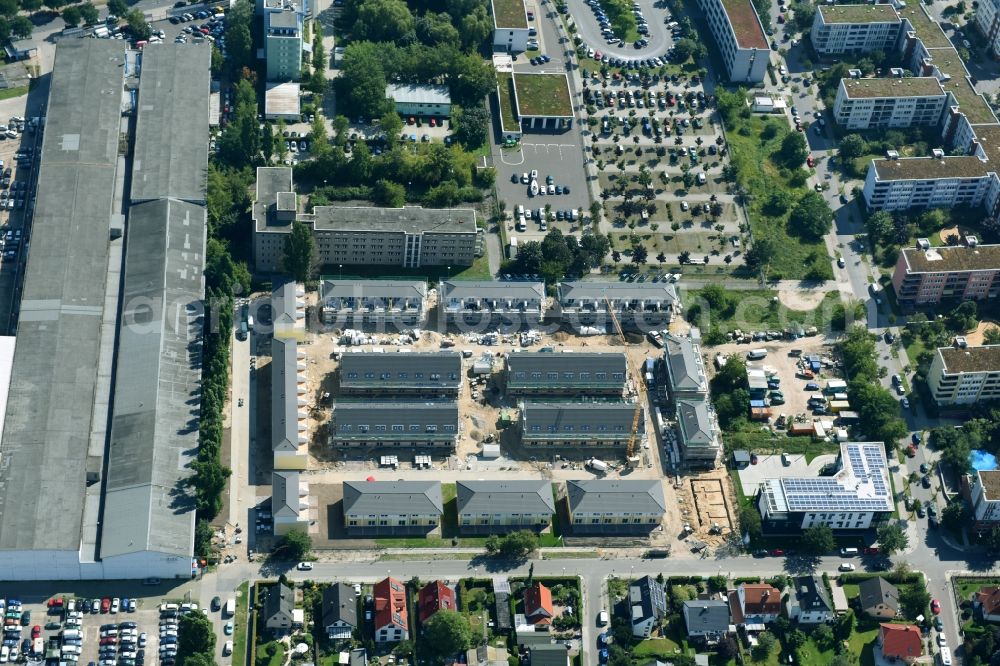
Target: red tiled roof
x=390 y=604
x=434 y=597
x=989 y=597
x=761 y=600
x=538 y=604
x=900 y=640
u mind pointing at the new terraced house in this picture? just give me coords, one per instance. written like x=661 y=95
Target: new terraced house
x=569 y=373
x=579 y=425
x=379 y=303
x=387 y=508
x=496 y=507
x=394 y=424
x=426 y=374
x=615 y=506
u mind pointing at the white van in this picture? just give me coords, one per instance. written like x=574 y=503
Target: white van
x=520 y=210
x=945 y=656
x=71 y=649
x=756 y=354
x=227 y=649
x=170 y=607
x=4 y=654
x=848 y=552
x=71 y=633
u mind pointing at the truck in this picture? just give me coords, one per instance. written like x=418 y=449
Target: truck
x=597 y=465
x=756 y=354
x=102 y=32
x=230 y=608
x=837 y=406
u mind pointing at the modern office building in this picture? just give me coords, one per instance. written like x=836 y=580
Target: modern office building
x=289 y=445
x=615 y=506
x=510 y=26
x=386 y=508
x=429 y=425
x=282 y=38
x=963 y=375
x=928 y=275
x=491 y=303
x=856 y=497
x=579 y=425
x=411 y=99
x=740 y=38
x=571 y=373
x=843 y=29
x=381 y=304
x=864 y=104
x=986 y=499
x=637 y=306
x=425 y=374
x=496 y=507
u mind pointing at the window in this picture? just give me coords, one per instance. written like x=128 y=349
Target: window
x=414 y=428
x=397 y=428
x=362 y=428
x=346 y=427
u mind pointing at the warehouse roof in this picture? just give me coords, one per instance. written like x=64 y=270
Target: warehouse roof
x=615 y=496
x=505 y=497
x=392 y=497
x=970 y=359
x=913 y=86
x=284 y=395
x=489 y=290
x=365 y=370
x=408 y=219
x=359 y=289
x=950 y=259
x=414 y=93
x=171 y=134
x=53 y=390
x=154 y=431
x=284 y=494
x=579 y=420
x=858 y=14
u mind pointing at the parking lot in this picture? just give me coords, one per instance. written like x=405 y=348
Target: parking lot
x=546 y=160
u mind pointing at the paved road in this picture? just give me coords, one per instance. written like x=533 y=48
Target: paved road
x=590 y=31
x=241 y=497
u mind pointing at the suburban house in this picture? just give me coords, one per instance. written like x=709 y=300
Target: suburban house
x=549 y=654
x=900 y=641
x=879 y=598
x=395 y=424
x=579 y=424
x=637 y=306
x=754 y=605
x=808 y=601
x=648 y=605
x=289 y=445
x=379 y=303
x=340 y=611
x=375 y=508
x=615 y=506
x=433 y=597
x=570 y=373
x=391 y=619
x=289 y=501
x=279 y=608
x=685 y=368
x=986 y=602
x=427 y=375
x=538 y=608
x=707 y=619
x=495 y=507
x=698 y=428
x=482 y=303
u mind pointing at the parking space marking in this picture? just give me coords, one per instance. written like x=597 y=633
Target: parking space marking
x=503 y=157
x=547 y=147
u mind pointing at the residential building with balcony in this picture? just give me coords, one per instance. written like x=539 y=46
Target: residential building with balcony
x=579 y=425
x=840 y=29
x=963 y=375
x=425 y=425
x=381 y=304
x=685 y=368
x=288 y=307
x=392 y=508
x=699 y=434
x=289 y=502
x=986 y=499
x=340 y=611
x=739 y=37
x=615 y=506
x=987 y=19
x=497 y=507
x=289 y=444
x=940 y=181
x=927 y=275
x=480 y=304
x=642 y=306
x=863 y=104
x=569 y=374
x=424 y=374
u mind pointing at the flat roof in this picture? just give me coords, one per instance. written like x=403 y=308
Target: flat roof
x=509 y=14
x=990 y=478
x=746 y=24
x=505 y=91
x=970 y=359
x=858 y=14
x=916 y=86
x=923 y=168
x=171 y=133
x=414 y=93
x=408 y=219
x=537 y=95
x=154 y=433
x=927 y=30
x=50 y=410
x=271 y=181
x=281 y=99
x=947 y=259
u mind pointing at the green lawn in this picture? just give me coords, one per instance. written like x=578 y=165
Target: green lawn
x=967 y=586
x=543 y=95
x=862 y=643
x=479 y=270
x=758 y=309
x=663 y=648
x=508 y=119
x=240 y=624
x=8 y=93
x=278 y=658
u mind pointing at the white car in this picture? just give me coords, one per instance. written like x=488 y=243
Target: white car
x=942 y=640
x=304 y=566
x=534 y=174
x=846 y=566
x=115 y=605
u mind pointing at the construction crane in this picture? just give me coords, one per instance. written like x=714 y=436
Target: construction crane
x=631 y=457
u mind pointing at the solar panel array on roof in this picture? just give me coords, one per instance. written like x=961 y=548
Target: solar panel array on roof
x=860 y=486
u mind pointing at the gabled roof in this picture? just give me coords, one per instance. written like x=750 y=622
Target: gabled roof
x=538 y=604
x=364 y=421
x=876 y=591
x=505 y=497
x=549 y=654
x=488 y=290
x=340 y=604
x=615 y=496
x=810 y=594
x=395 y=289
x=597 y=290
x=441 y=369
x=684 y=366
x=279 y=604
x=696 y=422
x=901 y=641
x=989 y=597
x=761 y=599
x=706 y=616
x=284 y=494
x=434 y=596
x=392 y=497
x=390 y=604
x=284 y=395
x=647 y=600
x=576 y=421
x=577 y=362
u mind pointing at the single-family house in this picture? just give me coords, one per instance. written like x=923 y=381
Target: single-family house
x=809 y=602
x=496 y=507
x=986 y=602
x=707 y=619
x=698 y=430
x=279 y=608
x=433 y=597
x=879 y=598
x=538 y=608
x=900 y=641
x=754 y=605
x=340 y=611
x=647 y=604
x=391 y=617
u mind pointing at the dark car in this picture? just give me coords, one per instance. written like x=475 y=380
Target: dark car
x=924 y=468
x=216 y=601
x=889 y=337
x=925 y=481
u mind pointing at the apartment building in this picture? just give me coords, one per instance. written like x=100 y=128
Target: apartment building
x=862 y=28
x=283 y=39
x=699 y=434
x=412 y=99
x=940 y=181
x=289 y=445
x=386 y=508
x=865 y=104
x=685 y=368
x=570 y=373
x=857 y=496
x=472 y=304
x=288 y=307
x=497 y=507
x=642 y=306
x=373 y=303
x=963 y=375
x=429 y=425
x=986 y=499
x=289 y=502
x=987 y=18
x=740 y=38
x=510 y=26
x=426 y=374
x=927 y=275
x=615 y=506
x=577 y=425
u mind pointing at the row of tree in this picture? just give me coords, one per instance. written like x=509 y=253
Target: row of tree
x=876 y=406
x=559 y=255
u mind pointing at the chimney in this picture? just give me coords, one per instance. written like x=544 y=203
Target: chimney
x=971 y=241
x=923 y=244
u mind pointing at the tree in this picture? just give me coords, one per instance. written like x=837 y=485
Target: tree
x=727 y=649
x=389 y=194
x=823 y=636
x=295 y=545
x=764 y=647
x=383 y=21
x=267 y=142
x=992 y=336
x=750 y=522
x=514 y=546
x=880 y=226
x=195 y=638
x=793 y=151
x=21 y=27
x=761 y=253
x=31 y=6
x=300 y=252
x=362 y=81
x=447 y=633
x=718 y=583
x=956 y=515
x=137 y=25
x=72 y=16
x=391 y=124
x=473 y=124
x=54 y=4
x=639 y=254
x=818 y=539
x=239 y=42
x=891 y=538
x=117 y=7
x=914 y=599
x=811 y=216
x=957 y=456
x=89 y=13
x=852 y=146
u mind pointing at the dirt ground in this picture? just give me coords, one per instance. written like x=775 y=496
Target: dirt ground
x=801 y=299
x=977 y=336
x=952 y=231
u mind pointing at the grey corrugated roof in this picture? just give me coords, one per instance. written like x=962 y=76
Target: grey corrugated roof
x=810 y=594
x=706 y=615
x=284 y=395
x=372 y=414
x=392 y=497
x=409 y=219
x=171 y=133
x=401 y=370
x=570 y=419
x=340 y=603
x=614 y=495
x=504 y=496
x=609 y=362
x=47 y=428
x=878 y=590
x=373 y=289
x=695 y=420
x=270 y=181
x=414 y=93
x=684 y=365
x=284 y=494
x=154 y=431
x=598 y=289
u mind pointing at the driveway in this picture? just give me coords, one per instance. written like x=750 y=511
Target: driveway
x=590 y=31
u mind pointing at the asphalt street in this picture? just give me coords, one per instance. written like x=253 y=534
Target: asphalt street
x=590 y=31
